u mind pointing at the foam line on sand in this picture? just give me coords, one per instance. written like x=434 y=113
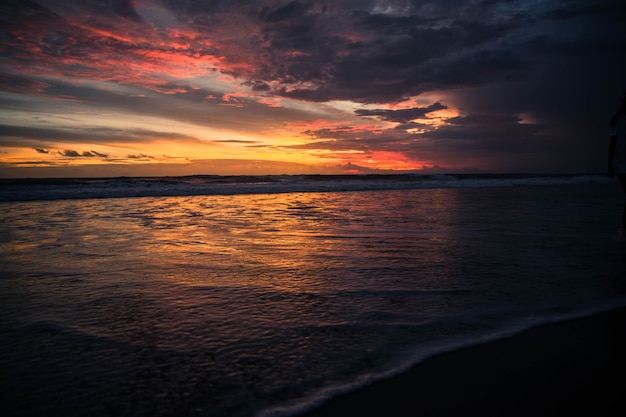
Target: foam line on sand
x=574 y=367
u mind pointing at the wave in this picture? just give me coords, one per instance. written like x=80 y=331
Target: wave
x=124 y=187
x=505 y=330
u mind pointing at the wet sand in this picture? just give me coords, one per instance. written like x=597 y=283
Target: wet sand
x=570 y=368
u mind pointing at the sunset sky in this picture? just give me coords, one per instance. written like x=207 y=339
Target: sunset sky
x=180 y=87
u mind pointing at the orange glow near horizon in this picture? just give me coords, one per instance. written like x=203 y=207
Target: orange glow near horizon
x=392 y=161
x=267 y=140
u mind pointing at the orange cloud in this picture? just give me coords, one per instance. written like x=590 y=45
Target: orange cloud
x=270 y=102
x=330 y=127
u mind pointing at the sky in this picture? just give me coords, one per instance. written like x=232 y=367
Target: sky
x=185 y=87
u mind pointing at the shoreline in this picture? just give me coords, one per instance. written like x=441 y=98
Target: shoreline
x=576 y=366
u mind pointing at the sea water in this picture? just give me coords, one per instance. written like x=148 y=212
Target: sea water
x=264 y=296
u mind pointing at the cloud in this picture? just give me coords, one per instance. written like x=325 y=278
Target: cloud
x=461 y=141
x=103 y=48
x=402 y=115
x=70 y=153
x=22 y=85
x=88 y=134
x=235 y=141
x=297 y=49
x=312 y=53
x=267 y=67
x=99 y=154
x=368 y=52
x=76 y=154
x=357 y=51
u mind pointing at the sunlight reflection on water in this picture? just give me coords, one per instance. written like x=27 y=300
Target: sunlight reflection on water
x=242 y=298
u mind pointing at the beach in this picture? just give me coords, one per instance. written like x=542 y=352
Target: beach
x=420 y=296
x=568 y=368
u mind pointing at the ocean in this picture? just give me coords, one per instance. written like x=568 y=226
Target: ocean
x=265 y=296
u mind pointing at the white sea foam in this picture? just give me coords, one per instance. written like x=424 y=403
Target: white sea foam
x=409 y=359
x=58 y=189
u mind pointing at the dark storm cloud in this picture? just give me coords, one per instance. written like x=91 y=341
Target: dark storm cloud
x=403 y=115
x=487 y=131
x=369 y=51
x=422 y=58
x=381 y=57
x=330 y=52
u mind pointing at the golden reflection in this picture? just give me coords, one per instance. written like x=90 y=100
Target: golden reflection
x=295 y=242
x=227 y=255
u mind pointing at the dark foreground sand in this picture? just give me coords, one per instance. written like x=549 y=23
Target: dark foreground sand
x=573 y=368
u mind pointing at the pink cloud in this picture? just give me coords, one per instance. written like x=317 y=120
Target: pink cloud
x=119 y=50
x=270 y=102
